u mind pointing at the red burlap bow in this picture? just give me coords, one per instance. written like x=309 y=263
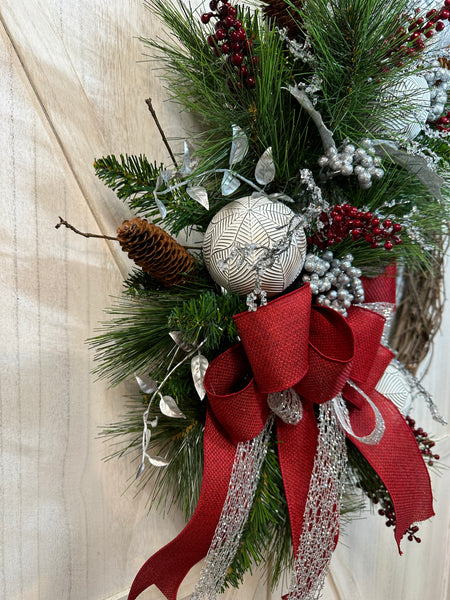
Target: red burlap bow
x=315 y=350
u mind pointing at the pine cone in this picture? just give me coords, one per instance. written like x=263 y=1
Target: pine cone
x=282 y=13
x=155 y=251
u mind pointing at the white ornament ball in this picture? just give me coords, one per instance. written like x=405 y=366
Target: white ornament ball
x=252 y=221
x=412 y=97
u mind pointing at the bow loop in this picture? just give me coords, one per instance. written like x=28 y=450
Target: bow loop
x=275 y=339
x=234 y=399
x=330 y=355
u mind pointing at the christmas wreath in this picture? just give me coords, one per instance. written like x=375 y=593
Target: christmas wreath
x=270 y=363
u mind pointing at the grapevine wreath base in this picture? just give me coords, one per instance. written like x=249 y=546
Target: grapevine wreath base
x=272 y=395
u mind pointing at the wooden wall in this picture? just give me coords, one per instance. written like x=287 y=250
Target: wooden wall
x=72 y=87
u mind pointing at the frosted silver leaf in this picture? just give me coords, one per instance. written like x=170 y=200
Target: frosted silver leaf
x=146 y=384
x=166 y=175
x=169 y=407
x=189 y=163
x=176 y=336
x=199 y=194
x=141 y=469
x=239 y=145
x=161 y=206
x=158 y=461
x=199 y=364
x=229 y=183
x=265 y=168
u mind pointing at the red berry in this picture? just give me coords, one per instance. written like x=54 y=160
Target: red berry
x=238 y=24
x=431 y=13
x=247 y=46
x=388 y=245
x=236 y=47
x=224 y=10
x=231 y=11
x=376 y=231
x=213 y=4
x=225 y=48
x=251 y=82
x=387 y=223
x=220 y=35
x=255 y=60
x=447 y=3
x=234 y=36
x=243 y=71
x=397 y=240
x=429 y=33
x=242 y=35
x=414 y=36
x=206 y=17
x=211 y=41
x=368 y=216
x=444 y=14
x=229 y=21
x=237 y=59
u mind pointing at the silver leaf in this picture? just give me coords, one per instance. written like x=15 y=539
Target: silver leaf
x=229 y=183
x=199 y=194
x=159 y=182
x=167 y=175
x=199 y=364
x=141 y=469
x=239 y=145
x=169 y=407
x=176 y=336
x=158 y=461
x=416 y=165
x=148 y=436
x=146 y=384
x=265 y=168
x=161 y=207
x=153 y=422
x=189 y=163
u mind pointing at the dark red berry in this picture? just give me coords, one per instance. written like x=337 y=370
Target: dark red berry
x=220 y=35
x=225 y=48
x=236 y=59
x=251 y=82
x=206 y=17
x=211 y=41
x=229 y=21
x=388 y=245
x=440 y=26
x=397 y=227
x=243 y=71
x=213 y=4
x=236 y=47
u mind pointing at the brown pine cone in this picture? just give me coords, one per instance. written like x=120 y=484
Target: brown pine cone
x=282 y=13
x=155 y=251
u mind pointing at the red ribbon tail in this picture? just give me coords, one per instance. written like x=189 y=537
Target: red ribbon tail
x=297 y=447
x=168 y=567
x=398 y=462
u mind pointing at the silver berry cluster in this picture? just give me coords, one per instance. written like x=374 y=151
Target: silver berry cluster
x=335 y=283
x=438 y=80
x=350 y=160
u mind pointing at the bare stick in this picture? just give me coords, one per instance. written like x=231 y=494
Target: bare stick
x=160 y=129
x=88 y=235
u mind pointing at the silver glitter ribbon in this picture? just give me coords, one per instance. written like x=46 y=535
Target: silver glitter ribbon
x=342 y=415
x=287 y=405
x=321 y=516
x=244 y=479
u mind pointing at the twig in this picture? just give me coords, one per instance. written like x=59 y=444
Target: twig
x=160 y=129
x=105 y=237
x=88 y=235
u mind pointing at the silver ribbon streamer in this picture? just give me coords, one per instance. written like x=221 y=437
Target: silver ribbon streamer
x=341 y=412
x=287 y=405
x=241 y=491
x=321 y=516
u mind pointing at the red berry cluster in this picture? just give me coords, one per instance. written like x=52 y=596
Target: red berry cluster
x=391 y=520
x=346 y=220
x=230 y=40
x=410 y=39
x=443 y=123
x=425 y=444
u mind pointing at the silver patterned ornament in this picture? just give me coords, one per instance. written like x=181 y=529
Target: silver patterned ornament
x=412 y=94
x=243 y=232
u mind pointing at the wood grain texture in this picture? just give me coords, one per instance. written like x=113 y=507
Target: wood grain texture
x=72 y=88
